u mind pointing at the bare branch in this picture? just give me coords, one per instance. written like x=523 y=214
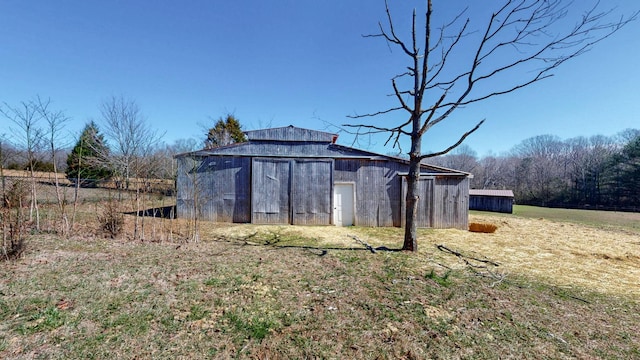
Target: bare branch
x=519 y=44
x=375 y=113
x=456 y=144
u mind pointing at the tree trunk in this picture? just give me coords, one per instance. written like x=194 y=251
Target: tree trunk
x=76 y=189
x=34 y=198
x=411 y=226
x=61 y=202
x=411 y=219
x=137 y=207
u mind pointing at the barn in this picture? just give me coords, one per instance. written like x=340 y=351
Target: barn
x=291 y=175
x=491 y=200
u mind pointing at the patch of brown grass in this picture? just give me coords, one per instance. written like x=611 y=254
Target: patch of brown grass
x=565 y=254
x=258 y=291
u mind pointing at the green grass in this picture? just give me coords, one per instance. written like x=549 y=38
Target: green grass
x=595 y=218
x=230 y=299
x=276 y=294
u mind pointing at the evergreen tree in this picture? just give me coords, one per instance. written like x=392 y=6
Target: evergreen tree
x=225 y=132
x=84 y=161
x=625 y=171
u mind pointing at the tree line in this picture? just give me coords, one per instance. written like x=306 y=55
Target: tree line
x=544 y=170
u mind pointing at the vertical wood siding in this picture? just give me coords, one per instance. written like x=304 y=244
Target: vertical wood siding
x=451 y=203
x=443 y=202
x=185 y=180
x=293 y=190
x=377 y=188
x=226 y=189
x=312 y=180
x=270 y=186
x=501 y=204
x=217 y=188
x=425 y=201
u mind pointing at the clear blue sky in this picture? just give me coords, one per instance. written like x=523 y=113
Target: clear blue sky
x=278 y=63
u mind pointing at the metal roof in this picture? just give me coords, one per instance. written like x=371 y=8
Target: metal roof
x=291 y=133
x=488 y=192
x=318 y=144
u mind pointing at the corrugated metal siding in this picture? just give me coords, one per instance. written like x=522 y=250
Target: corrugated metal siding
x=290 y=133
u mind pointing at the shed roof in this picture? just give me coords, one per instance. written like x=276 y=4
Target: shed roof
x=488 y=192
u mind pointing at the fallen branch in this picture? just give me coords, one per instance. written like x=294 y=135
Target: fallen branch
x=369 y=247
x=499 y=278
x=464 y=257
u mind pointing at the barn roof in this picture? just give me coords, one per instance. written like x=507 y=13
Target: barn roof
x=487 y=192
x=291 y=133
x=302 y=143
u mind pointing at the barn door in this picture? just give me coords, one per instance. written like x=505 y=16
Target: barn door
x=311 y=192
x=270 y=189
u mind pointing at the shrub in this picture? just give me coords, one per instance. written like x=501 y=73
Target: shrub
x=17 y=195
x=13 y=222
x=111 y=219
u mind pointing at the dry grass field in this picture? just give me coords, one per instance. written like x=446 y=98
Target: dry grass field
x=537 y=288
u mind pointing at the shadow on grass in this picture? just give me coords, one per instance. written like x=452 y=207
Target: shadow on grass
x=323 y=250
x=165 y=212
x=274 y=240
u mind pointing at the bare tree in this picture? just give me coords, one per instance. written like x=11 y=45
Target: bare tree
x=542 y=168
x=3 y=196
x=190 y=170
x=495 y=172
x=131 y=140
x=29 y=136
x=463 y=158
x=4 y=156
x=518 y=44
x=56 y=120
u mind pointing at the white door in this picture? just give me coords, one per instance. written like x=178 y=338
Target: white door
x=343 y=204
